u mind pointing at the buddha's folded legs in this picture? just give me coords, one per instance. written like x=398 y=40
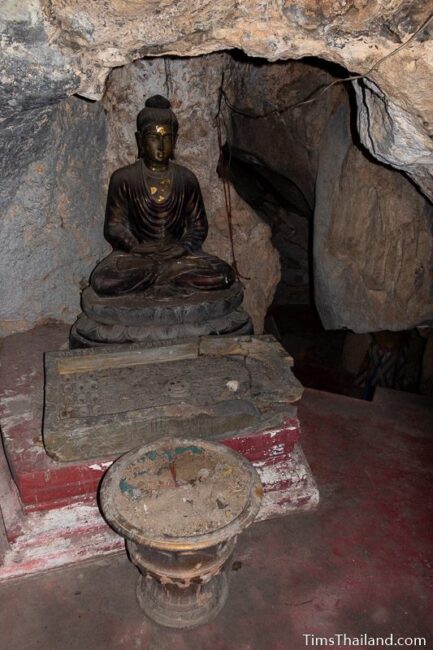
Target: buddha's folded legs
x=197 y=270
x=122 y=273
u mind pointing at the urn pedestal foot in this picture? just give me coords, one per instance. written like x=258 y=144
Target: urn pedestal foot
x=171 y=606
x=182 y=589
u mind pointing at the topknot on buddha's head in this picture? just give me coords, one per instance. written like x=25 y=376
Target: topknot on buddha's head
x=157 y=101
x=157 y=110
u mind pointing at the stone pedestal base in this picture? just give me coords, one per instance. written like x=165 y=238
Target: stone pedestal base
x=89 y=333
x=49 y=508
x=158 y=315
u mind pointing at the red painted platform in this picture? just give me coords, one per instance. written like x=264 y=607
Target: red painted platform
x=44 y=483
x=359 y=564
x=50 y=508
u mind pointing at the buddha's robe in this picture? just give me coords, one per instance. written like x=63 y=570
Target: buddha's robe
x=135 y=214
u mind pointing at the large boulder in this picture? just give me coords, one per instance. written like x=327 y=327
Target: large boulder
x=52 y=208
x=373 y=241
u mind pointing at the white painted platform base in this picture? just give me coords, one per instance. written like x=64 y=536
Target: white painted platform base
x=43 y=540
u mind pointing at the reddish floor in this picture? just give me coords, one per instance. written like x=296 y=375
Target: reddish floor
x=361 y=564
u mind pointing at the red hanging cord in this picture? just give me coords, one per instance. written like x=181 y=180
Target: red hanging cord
x=226 y=188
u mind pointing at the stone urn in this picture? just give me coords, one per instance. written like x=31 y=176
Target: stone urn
x=181 y=503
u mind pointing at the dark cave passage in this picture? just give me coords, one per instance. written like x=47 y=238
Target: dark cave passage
x=284 y=131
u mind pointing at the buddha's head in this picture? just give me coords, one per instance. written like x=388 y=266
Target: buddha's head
x=156 y=134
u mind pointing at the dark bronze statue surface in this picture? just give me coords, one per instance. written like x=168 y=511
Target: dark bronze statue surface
x=157 y=284
x=155 y=218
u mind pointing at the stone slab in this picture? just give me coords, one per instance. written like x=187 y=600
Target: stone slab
x=105 y=401
x=44 y=483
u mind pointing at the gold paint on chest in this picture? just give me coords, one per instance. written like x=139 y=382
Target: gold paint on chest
x=161 y=189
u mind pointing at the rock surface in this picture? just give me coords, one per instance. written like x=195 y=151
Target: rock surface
x=373 y=244
x=51 y=148
x=52 y=206
x=274 y=159
x=372 y=229
x=53 y=48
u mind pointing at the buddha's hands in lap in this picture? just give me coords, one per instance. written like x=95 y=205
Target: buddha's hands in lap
x=160 y=251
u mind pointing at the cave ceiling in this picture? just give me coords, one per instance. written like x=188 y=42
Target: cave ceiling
x=56 y=48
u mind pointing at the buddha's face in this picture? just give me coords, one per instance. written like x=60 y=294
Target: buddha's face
x=156 y=144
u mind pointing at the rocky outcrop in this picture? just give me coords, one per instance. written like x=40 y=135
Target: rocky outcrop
x=373 y=244
x=53 y=48
x=397 y=134
x=52 y=207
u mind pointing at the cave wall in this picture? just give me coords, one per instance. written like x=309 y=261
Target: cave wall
x=52 y=148
x=55 y=48
x=372 y=229
x=52 y=206
x=284 y=147
x=373 y=239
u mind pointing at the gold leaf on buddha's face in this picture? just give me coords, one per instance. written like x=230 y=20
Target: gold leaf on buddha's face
x=157 y=144
x=162 y=129
x=153 y=190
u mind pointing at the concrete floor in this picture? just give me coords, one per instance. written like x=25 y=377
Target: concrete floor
x=361 y=564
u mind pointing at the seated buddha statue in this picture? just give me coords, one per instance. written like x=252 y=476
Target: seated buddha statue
x=155 y=218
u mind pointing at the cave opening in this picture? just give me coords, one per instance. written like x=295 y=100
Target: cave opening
x=293 y=153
